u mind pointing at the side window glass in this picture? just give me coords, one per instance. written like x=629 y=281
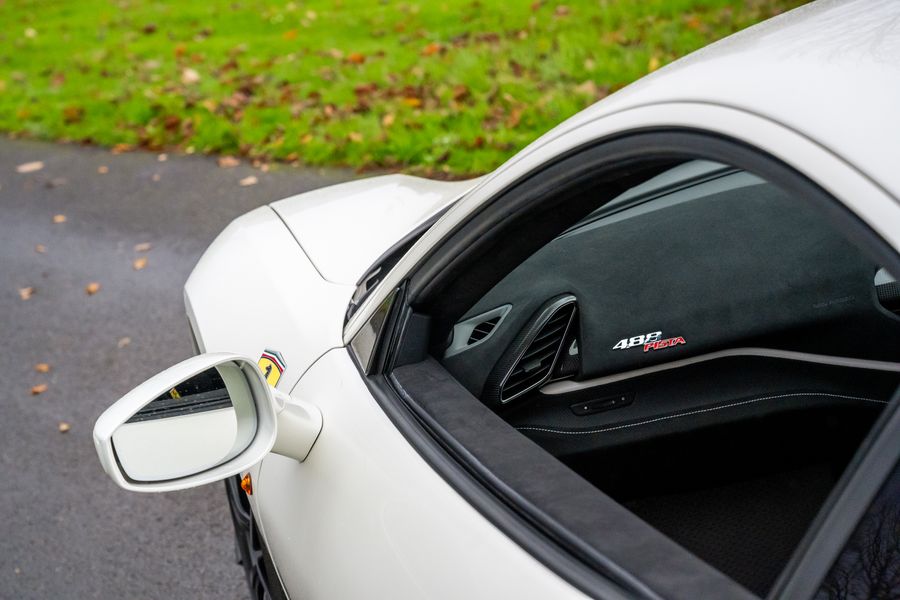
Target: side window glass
x=869 y=565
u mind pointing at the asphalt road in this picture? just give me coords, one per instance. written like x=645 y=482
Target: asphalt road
x=66 y=531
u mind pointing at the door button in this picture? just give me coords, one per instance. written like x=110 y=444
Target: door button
x=590 y=407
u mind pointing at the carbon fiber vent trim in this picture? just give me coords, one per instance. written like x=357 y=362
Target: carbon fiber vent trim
x=531 y=358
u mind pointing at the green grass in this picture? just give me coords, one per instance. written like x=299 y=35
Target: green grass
x=432 y=87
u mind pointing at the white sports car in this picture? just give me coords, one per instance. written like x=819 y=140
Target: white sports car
x=654 y=355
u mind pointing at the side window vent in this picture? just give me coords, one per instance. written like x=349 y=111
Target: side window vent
x=482 y=330
x=888 y=290
x=889 y=296
x=539 y=349
x=476 y=330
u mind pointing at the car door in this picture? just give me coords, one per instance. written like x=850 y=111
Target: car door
x=375 y=510
x=366 y=516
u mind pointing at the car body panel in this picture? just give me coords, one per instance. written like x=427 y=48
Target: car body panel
x=829 y=70
x=370 y=215
x=255 y=289
x=366 y=517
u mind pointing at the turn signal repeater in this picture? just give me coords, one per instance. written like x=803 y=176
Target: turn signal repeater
x=247 y=484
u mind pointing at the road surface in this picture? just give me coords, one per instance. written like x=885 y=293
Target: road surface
x=67 y=531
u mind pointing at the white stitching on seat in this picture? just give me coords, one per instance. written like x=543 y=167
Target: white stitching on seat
x=693 y=412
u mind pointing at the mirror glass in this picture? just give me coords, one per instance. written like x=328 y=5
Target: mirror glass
x=196 y=425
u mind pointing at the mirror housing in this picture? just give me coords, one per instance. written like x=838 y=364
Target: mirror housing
x=260 y=411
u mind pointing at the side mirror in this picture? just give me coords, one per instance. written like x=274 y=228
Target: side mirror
x=203 y=420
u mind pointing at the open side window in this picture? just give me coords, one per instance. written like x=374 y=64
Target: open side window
x=661 y=354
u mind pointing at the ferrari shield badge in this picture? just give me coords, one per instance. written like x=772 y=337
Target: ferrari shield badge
x=272 y=365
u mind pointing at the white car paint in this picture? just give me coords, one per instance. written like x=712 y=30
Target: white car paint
x=364 y=515
x=370 y=214
x=828 y=70
x=255 y=279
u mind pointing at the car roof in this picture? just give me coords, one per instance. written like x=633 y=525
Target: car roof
x=829 y=70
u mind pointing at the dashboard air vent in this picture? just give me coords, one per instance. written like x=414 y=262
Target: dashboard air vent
x=476 y=330
x=482 y=330
x=540 y=349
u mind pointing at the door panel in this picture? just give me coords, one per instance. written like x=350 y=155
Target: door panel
x=366 y=517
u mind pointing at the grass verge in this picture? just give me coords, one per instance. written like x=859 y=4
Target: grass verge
x=452 y=86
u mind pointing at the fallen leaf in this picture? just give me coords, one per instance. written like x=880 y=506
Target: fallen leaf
x=432 y=48
x=30 y=167
x=180 y=49
x=694 y=22
x=388 y=119
x=227 y=162
x=142 y=247
x=103 y=169
x=40 y=248
x=123 y=342
x=162 y=157
x=514 y=117
x=30 y=33
x=460 y=92
x=172 y=122
x=562 y=10
x=42 y=368
x=653 y=63
x=149 y=28
x=155 y=177
x=121 y=148
x=92 y=288
x=587 y=87
x=189 y=76
x=412 y=102
x=357 y=58
x=139 y=263
x=249 y=180
x=72 y=114
x=355 y=137
x=59 y=218
x=38 y=389
x=64 y=427
x=26 y=293
x=290 y=35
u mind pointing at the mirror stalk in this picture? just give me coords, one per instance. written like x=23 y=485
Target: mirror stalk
x=299 y=425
